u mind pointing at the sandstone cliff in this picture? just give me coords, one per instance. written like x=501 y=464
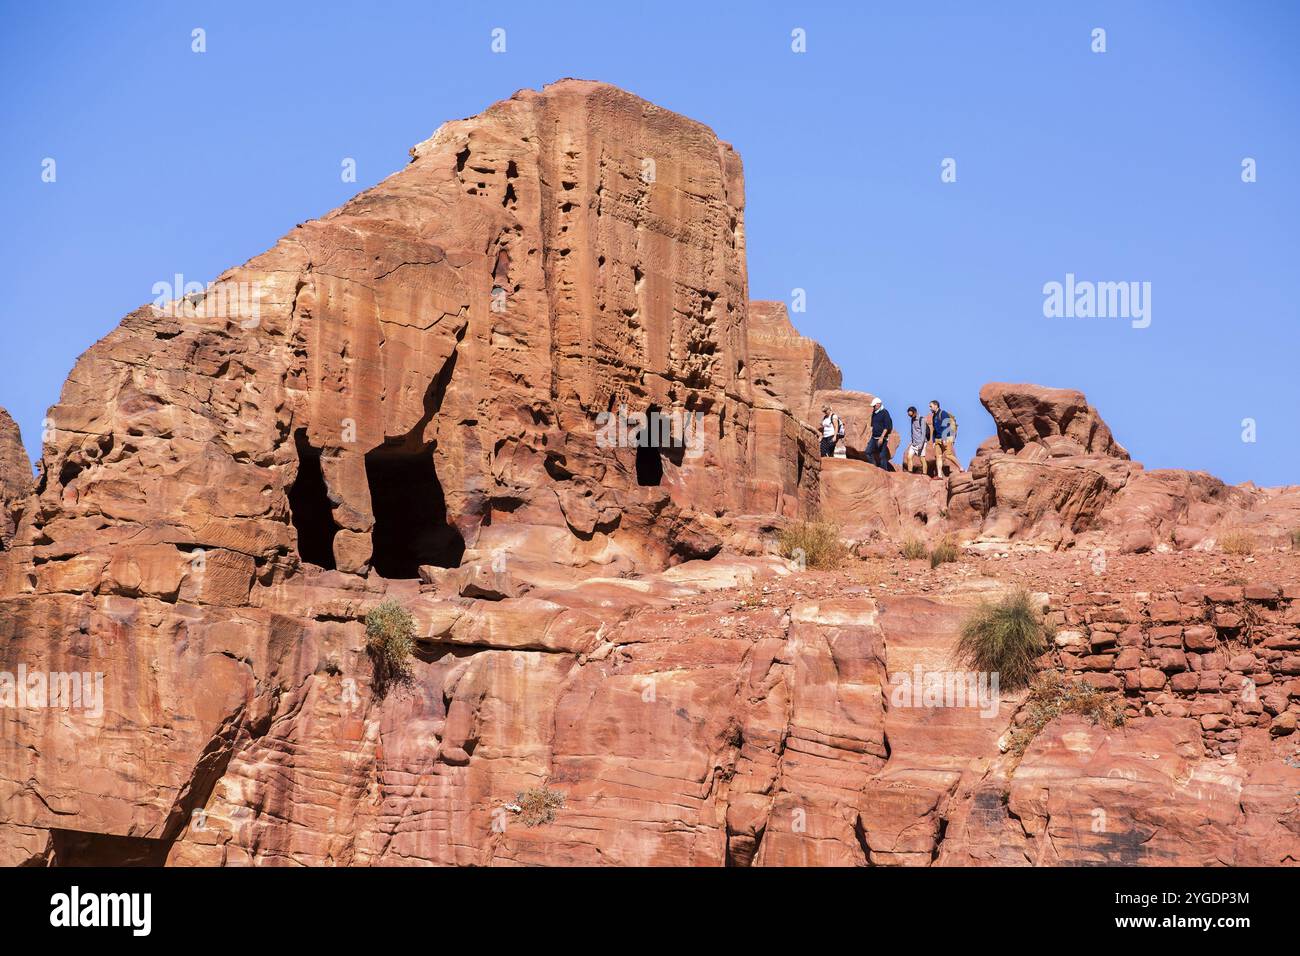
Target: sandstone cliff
x=15 y=475
x=424 y=396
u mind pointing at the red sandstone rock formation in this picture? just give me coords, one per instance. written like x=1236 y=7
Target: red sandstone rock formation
x=1052 y=422
x=15 y=475
x=402 y=401
x=787 y=366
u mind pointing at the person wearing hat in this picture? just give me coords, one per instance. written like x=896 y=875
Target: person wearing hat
x=882 y=426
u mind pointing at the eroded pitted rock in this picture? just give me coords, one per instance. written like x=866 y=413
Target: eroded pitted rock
x=15 y=475
x=1055 y=422
x=417 y=371
x=415 y=381
x=400 y=403
x=786 y=366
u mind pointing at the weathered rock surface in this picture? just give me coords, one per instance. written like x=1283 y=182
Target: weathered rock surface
x=1057 y=422
x=867 y=502
x=15 y=475
x=403 y=401
x=788 y=367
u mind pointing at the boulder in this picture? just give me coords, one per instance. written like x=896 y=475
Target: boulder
x=1059 y=421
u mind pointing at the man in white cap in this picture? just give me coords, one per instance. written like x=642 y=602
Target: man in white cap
x=882 y=426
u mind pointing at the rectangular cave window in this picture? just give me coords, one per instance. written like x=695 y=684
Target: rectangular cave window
x=411 y=526
x=310 y=507
x=649 y=453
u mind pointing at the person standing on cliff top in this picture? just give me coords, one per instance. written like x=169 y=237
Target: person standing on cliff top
x=882 y=426
x=919 y=439
x=831 y=427
x=944 y=429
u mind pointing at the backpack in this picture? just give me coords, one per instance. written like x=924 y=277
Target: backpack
x=839 y=432
x=949 y=428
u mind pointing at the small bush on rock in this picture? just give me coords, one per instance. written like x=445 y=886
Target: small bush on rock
x=1237 y=542
x=816 y=542
x=538 y=805
x=1005 y=638
x=1050 y=697
x=914 y=549
x=945 y=552
x=390 y=639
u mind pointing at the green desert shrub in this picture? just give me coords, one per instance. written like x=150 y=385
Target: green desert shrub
x=1004 y=638
x=945 y=552
x=390 y=639
x=914 y=549
x=1237 y=542
x=816 y=541
x=1295 y=539
x=1050 y=697
x=538 y=805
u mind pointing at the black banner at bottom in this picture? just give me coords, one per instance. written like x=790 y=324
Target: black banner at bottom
x=340 y=905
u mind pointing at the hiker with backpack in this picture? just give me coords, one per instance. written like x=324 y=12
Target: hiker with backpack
x=919 y=439
x=943 y=426
x=882 y=426
x=832 y=431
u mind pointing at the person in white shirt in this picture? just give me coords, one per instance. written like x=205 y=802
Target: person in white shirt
x=830 y=432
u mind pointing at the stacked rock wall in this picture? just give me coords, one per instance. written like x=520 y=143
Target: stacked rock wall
x=1229 y=657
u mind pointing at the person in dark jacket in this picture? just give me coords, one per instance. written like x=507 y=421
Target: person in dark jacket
x=882 y=426
x=944 y=429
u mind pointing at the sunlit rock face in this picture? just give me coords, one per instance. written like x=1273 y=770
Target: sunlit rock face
x=440 y=395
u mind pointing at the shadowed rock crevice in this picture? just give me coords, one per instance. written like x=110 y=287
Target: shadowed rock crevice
x=310 y=507
x=649 y=465
x=411 y=526
x=79 y=848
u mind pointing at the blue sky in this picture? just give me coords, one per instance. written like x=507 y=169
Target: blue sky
x=1115 y=166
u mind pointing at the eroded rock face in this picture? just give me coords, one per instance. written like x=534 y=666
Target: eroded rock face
x=1057 y=422
x=414 y=382
x=15 y=475
x=458 y=331
x=868 y=503
x=788 y=367
x=403 y=401
x=1146 y=795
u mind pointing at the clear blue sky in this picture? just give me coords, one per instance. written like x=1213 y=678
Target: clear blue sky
x=1117 y=166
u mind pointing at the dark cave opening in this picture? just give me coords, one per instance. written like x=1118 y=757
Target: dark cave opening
x=310 y=508
x=410 y=510
x=649 y=466
x=649 y=454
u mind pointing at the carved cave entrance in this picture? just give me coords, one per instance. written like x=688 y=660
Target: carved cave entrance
x=411 y=526
x=310 y=507
x=650 y=442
